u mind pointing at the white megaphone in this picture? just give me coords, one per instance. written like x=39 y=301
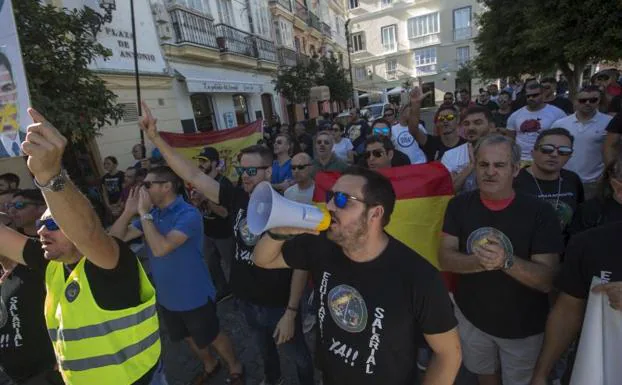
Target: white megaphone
x=267 y=209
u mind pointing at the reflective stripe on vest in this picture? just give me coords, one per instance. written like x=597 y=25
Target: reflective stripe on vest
x=103 y=328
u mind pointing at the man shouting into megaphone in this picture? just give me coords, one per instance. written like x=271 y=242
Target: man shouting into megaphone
x=376 y=296
x=269 y=298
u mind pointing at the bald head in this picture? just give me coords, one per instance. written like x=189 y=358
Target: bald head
x=301 y=158
x=302 y=167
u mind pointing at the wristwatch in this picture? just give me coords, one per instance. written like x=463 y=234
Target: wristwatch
x=509 y=262
x=147 y=217
x=55 y=184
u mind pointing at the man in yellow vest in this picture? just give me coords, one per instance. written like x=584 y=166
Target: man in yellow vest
x=100 y=307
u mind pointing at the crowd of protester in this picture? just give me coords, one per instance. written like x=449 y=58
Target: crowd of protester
x=537 y=211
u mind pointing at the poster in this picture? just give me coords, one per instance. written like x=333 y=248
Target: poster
x=14 y=100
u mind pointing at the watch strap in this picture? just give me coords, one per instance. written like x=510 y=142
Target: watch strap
x=280 y=237
x=49 y=185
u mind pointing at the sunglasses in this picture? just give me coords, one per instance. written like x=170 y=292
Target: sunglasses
x=148 y=183
x=324 y=142
x=602 y=77
x=533 y=96
x=586 y=100
x=250 y=171
x=446 y=118
x=550 y=148
x=20 y=205
x=375 y=153
x=382 y=131
x=300 y=167
x=340 y=198
x=49 y=223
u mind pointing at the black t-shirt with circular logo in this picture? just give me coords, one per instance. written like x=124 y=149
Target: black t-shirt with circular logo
x=371 y=315
x=249 y=282
x=493 y=301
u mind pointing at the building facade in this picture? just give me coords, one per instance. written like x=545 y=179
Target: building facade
x=425 y=41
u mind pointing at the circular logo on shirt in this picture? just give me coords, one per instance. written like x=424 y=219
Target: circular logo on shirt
x=72 y=291
x=481 y=236
x=563 y=210
x=347 y=308
x=404 y=139
x=530 y=125
x=354 y=132
x=247 y=237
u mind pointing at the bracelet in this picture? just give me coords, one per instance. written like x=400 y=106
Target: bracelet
x=280 y=237
x=295 y=310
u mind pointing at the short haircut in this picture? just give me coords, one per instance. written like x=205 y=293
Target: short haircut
x=496 y=139
x=478 y=110
x=590 y=88
x=509 y=95
x=446 y=107
x=112 y=159
x=165 y=173
x=257 y=149
x=4 y=62
x=141 y=172
x=380 y=121
x=385 y=141
x=286 y=136
x=554 y=131
x=534 y=86
x=10 y=178
x=448 y=93
x=377 y=190
x=548 y=79
x=143 y=150
x=32 y=194
x=342 y=128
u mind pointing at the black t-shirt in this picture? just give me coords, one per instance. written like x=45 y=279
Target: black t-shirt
x=493 y=301
x=266 y=287
x=615 y=105
x=25 y=347
x=371 y=315
x=113 y=185
x=357 y=133
x=113 y=289
x=492 y=106
x=306 y=140
x=593 y=253
x=399 y=159
x=563 y=104
x=435 y=148
x=214 y=225
x=595 y=212
x=564 y=195
x=615 y=125
x=501 y=120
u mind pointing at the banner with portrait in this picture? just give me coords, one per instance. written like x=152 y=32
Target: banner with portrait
x=14 y=100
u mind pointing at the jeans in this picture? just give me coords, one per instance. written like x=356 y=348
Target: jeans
x=262 y=321
x=219 y=253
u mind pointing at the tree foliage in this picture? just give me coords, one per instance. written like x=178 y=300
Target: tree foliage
x=336 y=78
x=57 y=47
x=533 y=36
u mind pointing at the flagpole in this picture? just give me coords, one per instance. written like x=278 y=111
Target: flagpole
x=136 y=74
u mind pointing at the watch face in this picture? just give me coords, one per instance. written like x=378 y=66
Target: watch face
x=58 y=183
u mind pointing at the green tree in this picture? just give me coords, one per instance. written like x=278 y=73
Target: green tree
x=294 y=83
x=57 y=47
x=336 y=78
x=533 y=36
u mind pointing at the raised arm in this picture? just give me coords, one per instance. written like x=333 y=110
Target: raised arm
x=122 y=227
x=416 y=97
x=73 y=213
x=182 y=166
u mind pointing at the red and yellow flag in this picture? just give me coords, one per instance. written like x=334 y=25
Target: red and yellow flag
x=422 y=193
x=228 y=143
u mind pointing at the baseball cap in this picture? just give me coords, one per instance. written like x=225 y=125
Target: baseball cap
x=208 y=153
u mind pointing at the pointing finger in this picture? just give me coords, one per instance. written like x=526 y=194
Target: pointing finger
x=36 y=116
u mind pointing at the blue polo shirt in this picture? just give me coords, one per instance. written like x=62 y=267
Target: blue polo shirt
x=181 y=278
x=281 y=173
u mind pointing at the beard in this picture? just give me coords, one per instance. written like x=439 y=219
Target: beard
x=352 y=235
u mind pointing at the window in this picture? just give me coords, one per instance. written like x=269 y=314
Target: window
x=358 y=42
x=425 y=56
x=360 y=73
x=225 y=12
x=353 y=4
x=284 y=33
x=391 y=69
x=297 y=44
x=462 y=23
x=203 y=110
x=423 y=25
x=338 y=25
x=340 y=56
x=241 y=109
x=389 y=38
x=385 y=3
x=463 y=55
x=199 y=5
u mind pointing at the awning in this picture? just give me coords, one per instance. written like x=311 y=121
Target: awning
x=206 y=79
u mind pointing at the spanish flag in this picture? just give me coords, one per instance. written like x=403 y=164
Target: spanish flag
x=228 y=143
x=423 y=192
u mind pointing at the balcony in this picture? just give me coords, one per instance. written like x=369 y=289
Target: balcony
x=327 y=30
x=424 y=70
x=463 y=33
x=283 y=3
x=287 y=57
x=234 y=40
x=302 y=16
x=424 y=41
x=314 y=22
x=194 y=32
x=266 y=50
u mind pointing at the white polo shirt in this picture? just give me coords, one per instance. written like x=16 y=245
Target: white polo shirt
x=589 y=137
x=528 y=125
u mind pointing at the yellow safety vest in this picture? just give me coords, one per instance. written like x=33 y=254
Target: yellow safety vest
x=95 y=346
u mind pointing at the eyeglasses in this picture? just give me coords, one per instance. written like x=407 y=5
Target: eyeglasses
x=533 y=96
x=382 y=131
x=602 y=77
x=550 y=148
x=149 y=183
x=324 y=142
x=375 y=153
x=340 y=198
x=49 y=223
x=590 y=100
x=300 y=167
x=250 y=171
x=20 y=205
x=446 y=118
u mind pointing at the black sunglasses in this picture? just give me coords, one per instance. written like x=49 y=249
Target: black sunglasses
x=550 y=148
x=375 y=153
x=250 y=171
x=533 y=96
x=341 y=198
x=300 y=167
x=585 y=100
x=148 y=183
x=49 y=223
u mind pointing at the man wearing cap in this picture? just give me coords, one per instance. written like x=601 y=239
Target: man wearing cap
x=25 y=208
x=218 y=233
x=607 y=81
